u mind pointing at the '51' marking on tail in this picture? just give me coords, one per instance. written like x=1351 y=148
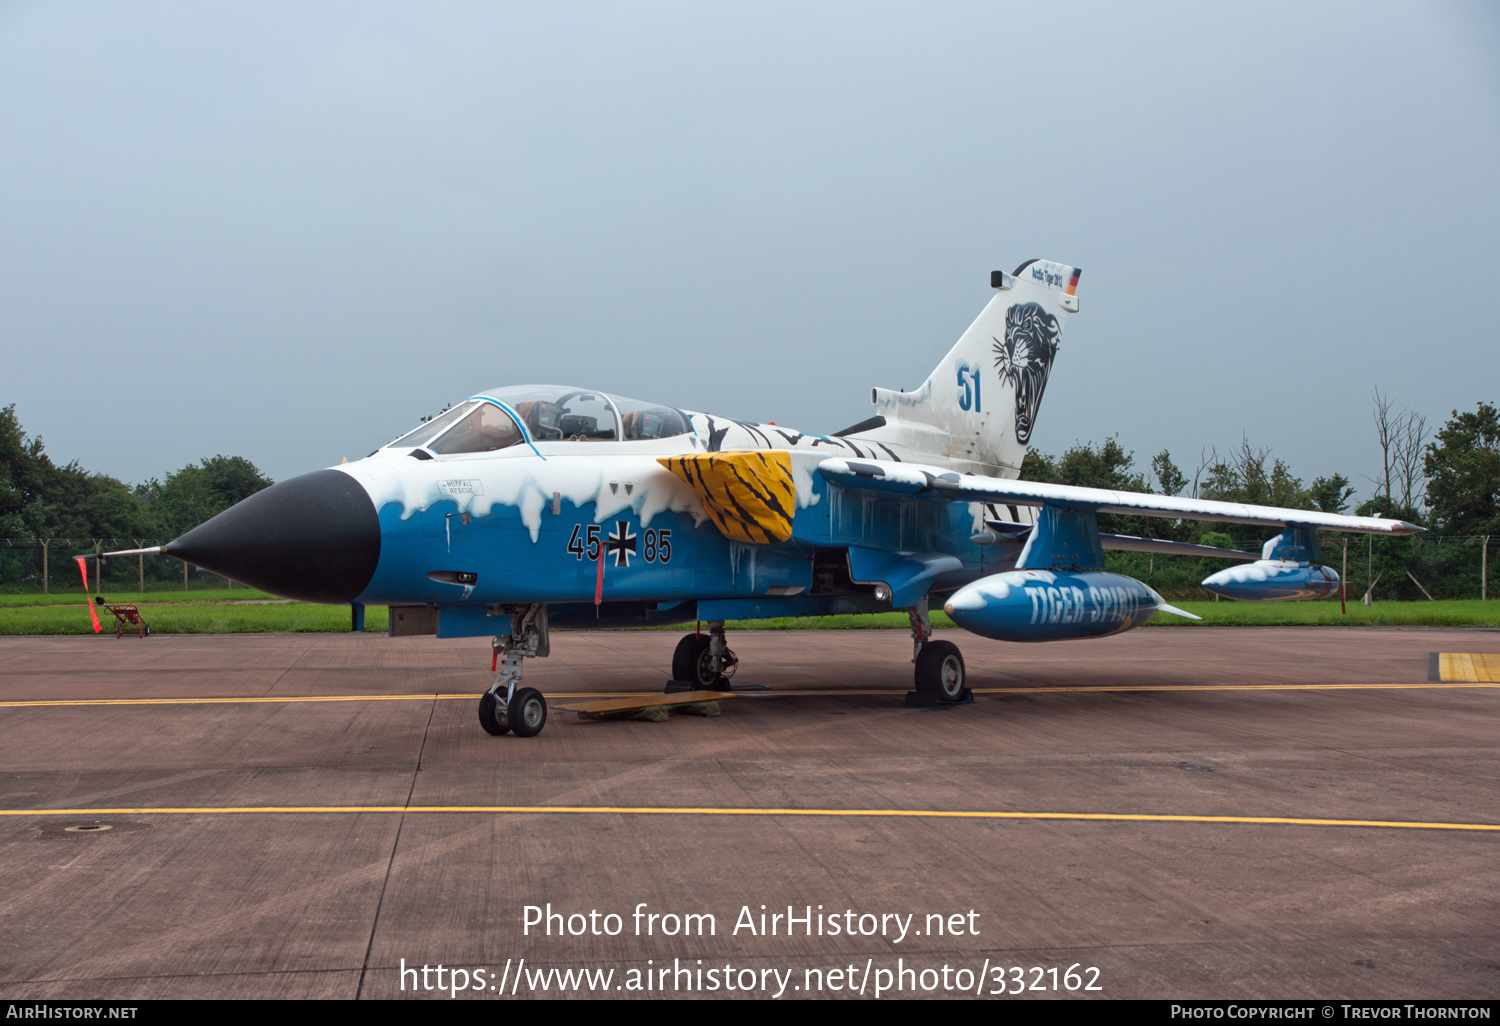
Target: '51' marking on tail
x=965 y=375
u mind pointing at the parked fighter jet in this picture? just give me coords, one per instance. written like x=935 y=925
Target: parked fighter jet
x=535 y=506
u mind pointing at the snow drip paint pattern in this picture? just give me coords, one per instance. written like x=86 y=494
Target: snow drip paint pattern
x=475 y=486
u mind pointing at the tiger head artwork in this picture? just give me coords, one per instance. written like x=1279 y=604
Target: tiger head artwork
x=1025 y=359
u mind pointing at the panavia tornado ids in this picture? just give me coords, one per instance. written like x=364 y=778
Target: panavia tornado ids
x=527 y=507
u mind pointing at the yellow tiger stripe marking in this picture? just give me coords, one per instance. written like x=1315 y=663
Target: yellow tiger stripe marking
x=651 y=810
x=1469 y=666
x=749 y=496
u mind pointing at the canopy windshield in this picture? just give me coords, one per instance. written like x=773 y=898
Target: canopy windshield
x=549 y=413
x=647 y=420
x=560 y=413
x=485 y=429
x=429 y=430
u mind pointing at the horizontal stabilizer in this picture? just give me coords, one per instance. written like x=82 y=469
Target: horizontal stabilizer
x=1129 y=543
x=917 y=481
x=1008 y=527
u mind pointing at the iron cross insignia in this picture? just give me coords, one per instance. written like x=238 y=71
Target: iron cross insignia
x=622 y=543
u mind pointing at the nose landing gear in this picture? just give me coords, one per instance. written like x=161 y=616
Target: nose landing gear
x=505 y=707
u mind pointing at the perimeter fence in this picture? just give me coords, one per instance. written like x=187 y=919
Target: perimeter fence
x=35 y=565
x=1454 y=566
x=1415 y=568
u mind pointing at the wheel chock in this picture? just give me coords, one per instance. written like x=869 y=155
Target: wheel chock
x=654 y=708
x=928 y=700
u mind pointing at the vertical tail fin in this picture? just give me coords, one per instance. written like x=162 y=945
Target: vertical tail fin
x=979 y=406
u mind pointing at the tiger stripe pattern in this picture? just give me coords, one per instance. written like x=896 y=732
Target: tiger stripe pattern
x=749 y=496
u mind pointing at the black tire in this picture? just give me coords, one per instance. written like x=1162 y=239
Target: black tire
x=685 y=656
x=940 y=671
x=690 y=663
x=528 y=712
x=492 y=714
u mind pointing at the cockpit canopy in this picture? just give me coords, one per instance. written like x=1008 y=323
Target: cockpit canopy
x=546 y=413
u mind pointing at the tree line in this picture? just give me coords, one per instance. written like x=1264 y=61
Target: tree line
x=40 y=499
x=1448 y=483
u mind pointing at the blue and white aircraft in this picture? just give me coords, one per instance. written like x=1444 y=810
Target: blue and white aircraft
x=528 y=507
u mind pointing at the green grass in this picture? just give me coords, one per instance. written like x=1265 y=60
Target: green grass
x=78 y=598
x=1454 y=613
x=1451 y=613
x=860 y=621
x=65 y=583
x=204 y=618
x=208 y=612
x=1445 y=613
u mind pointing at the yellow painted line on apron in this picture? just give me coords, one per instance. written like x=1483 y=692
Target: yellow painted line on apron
x=265 y=700
x=791 y=693
x=1447 y=686
x=1241 y=687
x=1469 y=666
x=647 y=810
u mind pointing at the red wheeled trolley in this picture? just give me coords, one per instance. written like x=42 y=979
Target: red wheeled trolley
x=127 y=618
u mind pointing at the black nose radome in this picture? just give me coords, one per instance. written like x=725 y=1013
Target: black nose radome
x=315 y=538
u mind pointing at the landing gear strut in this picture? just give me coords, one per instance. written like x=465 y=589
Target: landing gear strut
x=940 y=673
x=921 y=626
x=705 y=660
x=507 y=707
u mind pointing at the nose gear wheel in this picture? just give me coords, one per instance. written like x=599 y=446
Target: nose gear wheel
x=508 y=708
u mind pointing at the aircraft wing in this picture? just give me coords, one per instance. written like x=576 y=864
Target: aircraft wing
x=922 y=482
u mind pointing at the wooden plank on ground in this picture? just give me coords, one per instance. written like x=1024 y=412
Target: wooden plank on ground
x=645 y=701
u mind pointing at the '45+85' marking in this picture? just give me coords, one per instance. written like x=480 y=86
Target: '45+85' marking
x=657 y=547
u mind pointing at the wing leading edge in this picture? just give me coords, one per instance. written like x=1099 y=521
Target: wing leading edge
x=916 y=481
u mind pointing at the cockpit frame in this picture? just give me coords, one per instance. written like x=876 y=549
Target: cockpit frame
x=541 y=413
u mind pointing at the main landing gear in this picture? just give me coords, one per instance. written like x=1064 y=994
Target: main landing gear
x=506 y=707
x=940 y=674
x=704 y=660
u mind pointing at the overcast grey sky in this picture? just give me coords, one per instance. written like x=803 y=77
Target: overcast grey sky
x=287 y=230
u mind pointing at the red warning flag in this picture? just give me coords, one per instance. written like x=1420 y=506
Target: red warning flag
x=84 y=570
x=599 y=580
